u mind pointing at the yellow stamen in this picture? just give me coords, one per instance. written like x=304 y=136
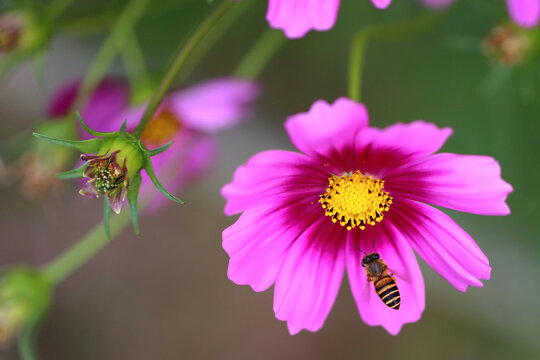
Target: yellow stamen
x=355 y=200
x=161 y=129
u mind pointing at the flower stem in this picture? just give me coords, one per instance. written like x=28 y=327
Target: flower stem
x=361 y=39
x=108 y=51
x=78 y=254
x=260 y=54
x=179 y=61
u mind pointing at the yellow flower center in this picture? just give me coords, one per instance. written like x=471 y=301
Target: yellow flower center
x=355 y=200
x=161 y=129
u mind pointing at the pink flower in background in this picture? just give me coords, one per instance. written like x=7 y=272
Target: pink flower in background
x=303 y=212
x=297 y=17
x=190 y=118
x=525 y=13
x=109 y=99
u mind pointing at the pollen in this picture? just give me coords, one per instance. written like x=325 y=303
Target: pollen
x=107 y=177
x=162 y=128
x=355 y=200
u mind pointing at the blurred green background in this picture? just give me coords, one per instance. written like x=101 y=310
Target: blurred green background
x=165 y=294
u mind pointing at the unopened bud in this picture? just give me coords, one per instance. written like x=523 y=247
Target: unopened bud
x=508 y=45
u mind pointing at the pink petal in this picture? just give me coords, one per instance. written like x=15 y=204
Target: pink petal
x=214 y=105
x=89 y=189
x=466 y=183
x=258 y=243
x=297 y=17
x=445 y=246
x=417 y=139
x=381 y=4
x=108 y=100
x=309 y=279
x=274 y=176
x=398 y=255
x=326 y=127
x=525 y=13
x=189 y=159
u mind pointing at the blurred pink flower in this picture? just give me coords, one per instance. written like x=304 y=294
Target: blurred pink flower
x=525 y=13
x=293 y=231
x=297 y=17
x=108 y=100
x=190 y=118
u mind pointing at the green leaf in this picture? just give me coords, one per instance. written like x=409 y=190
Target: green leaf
x=72 y=174
x=133 y=194
x=150 y=171
x=87 y=128
x=84 y=146
x=159 y=150
x=107 y=217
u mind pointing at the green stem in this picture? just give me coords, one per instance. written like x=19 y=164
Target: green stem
x=57 y=7
x=260 y=54
x=133 y=58
x=406 y=30
x=81 y=252
x=179 y=61
x=108 y=51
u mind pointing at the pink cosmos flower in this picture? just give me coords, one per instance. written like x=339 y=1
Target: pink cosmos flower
x=303 y=212
x=108 y=100
x=190 y=118
x=297 y=17
x=525 y=13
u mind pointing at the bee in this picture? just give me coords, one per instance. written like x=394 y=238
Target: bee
x=384 y=282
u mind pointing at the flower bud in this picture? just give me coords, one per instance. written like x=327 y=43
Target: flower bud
x=110 y=171
x=23 y=30
x=508 y=45
x=25 y=295
x=11 y=28
x=114 y=170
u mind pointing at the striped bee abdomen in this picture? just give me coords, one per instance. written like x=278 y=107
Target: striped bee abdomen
x=388 y=291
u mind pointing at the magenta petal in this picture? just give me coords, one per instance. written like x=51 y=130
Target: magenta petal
x=398 y=255
x=108 y=100
x=326 y=127
x=274 y=175
x=445 y=246
x=525 y=13
x=416 y=139
x=466 y=183
x=214 y=105
x=297 y=17
x=309 y=280
x=381 y=4
x=258 y=242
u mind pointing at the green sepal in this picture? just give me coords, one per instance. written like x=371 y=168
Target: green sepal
x=88 y=129
x=123 y=127
x=159 y=150
x=107 y=217
x=150 y=171
x=133 y=194
x=85 y=146
x=72 y=174
x=28 y=336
